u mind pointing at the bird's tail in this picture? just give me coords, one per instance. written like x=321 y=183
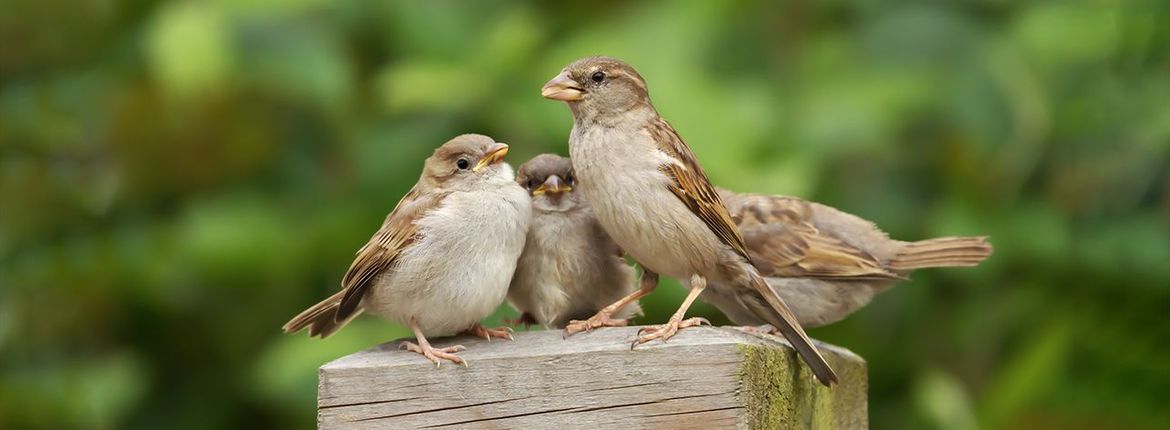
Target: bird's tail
x=776 y=313
x=941 y=252
x=320 y=318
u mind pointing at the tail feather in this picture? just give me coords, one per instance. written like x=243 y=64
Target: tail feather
x=776 y=313
x=941 y=252
x=320 y=318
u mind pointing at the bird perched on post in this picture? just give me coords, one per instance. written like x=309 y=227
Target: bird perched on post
x=652 y=197
x=443 y=258
x=570 y=268
x=826 y=263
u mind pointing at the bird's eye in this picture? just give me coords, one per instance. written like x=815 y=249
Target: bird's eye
x=569 y=179
x=598 y=76
x=462 y=164
x=533 y=184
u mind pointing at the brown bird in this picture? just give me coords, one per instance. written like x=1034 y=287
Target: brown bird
x=570 y=268
x=443 y=258
x=652 y=197
x=826 y=263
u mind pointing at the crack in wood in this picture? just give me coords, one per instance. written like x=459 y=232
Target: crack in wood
x=482 y=420
x=602 y=408
x=667 y=414
x=453 y=408
x=626 y=386
x=629 y=405
x=375 y=402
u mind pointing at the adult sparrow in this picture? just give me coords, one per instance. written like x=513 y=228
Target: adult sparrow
x=826 y=263
x=570 y=268
x=443 y=258
x=651 y=196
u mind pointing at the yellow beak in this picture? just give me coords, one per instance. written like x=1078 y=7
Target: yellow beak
x=494 y=155
x=552 y=185
x=563 y=88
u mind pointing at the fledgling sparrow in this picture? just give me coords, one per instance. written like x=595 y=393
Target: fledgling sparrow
x=570 y=269
x=443 y=258
x=652 y=197
x=826 y=263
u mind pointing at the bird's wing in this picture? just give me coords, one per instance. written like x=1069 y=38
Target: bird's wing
x=398 y=231
x=690 y=184
x=783 y=241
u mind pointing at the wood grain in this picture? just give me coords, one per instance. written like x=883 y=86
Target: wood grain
x=702 y=378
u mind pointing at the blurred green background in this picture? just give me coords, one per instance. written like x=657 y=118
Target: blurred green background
x=177 y=179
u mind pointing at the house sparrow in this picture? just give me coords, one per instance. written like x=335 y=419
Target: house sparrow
x=570 y=268
x=825 y=263
x=651 y=196
x=443 y=258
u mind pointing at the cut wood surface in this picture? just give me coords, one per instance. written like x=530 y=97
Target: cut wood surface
x=709 y=377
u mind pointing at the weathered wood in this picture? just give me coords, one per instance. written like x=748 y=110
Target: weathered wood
x=702 y=378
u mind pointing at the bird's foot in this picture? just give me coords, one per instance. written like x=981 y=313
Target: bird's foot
x=436 y=355
x=602 y=319
x=666 y=331
x=760 y=329
x=526 y=319
x=478 y=330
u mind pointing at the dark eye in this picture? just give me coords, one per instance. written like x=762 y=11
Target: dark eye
x=598 y=76
x=533 y=184
x=462 y=164
x=569 y=179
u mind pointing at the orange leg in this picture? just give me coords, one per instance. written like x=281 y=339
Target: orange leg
x=649 y=282
x=478 y=330
x=526 y=319
x=431 y=353
x=676 y=322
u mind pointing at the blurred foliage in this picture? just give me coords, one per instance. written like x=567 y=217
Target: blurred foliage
x=179 y=178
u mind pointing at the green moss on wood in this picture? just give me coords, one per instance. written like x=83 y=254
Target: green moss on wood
x=779 y=392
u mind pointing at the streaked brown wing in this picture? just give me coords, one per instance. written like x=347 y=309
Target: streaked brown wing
x=692 y=187
x=782 y=240
x=398 y=232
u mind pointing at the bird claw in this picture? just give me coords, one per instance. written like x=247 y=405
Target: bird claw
x=436 y=355
x=600 y=320
x=526 y=319
x=666 y=331
x=761 y=329
x=488 y=333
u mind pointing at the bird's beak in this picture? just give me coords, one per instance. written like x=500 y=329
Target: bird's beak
x=493 y=156
x=562 y=88
x=552 y=185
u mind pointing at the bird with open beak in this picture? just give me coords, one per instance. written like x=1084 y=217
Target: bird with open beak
x=442 y=260
x=650 y=194
x=570 y=268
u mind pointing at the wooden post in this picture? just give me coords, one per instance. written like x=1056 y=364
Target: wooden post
x=703 y=378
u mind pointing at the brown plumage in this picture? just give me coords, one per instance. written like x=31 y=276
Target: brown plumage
x=826 y=263
x=442 y=259
x=320 y=318
x=398 y=231
x=690 y=184
x=651 y=195
x=570 y=268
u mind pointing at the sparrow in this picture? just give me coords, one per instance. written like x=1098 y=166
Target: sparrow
x=570 y=268
x=443 y=258
x=825 y=263
x=650 y=194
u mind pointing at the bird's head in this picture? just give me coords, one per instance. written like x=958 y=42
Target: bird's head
x=549 y=180
x=596 y=87
x=467 y=161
